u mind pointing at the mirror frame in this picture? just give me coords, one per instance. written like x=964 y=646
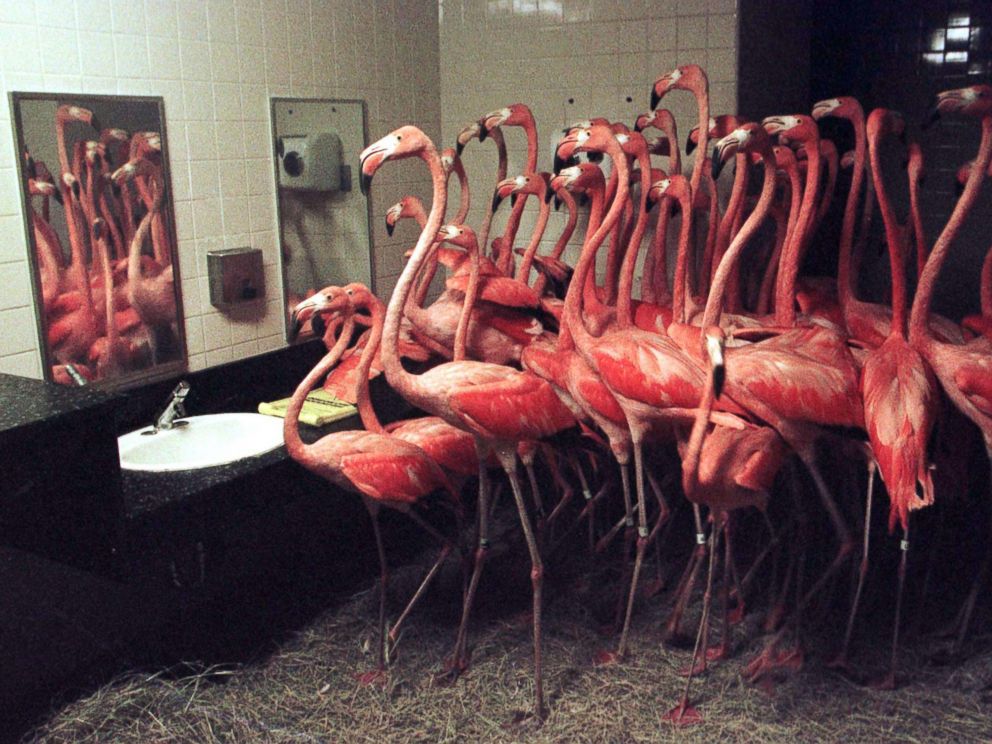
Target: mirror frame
x=273 y=101
x=149 y=374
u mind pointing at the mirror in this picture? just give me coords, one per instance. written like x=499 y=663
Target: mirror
x=94 y=173
x=323 y=217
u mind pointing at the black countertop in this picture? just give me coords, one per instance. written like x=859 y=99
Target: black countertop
x=28 y=402
x=145 y=492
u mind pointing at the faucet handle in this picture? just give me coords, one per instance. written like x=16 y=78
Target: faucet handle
x=181 y=391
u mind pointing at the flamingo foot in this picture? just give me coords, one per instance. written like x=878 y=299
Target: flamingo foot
x=606 y=658
x=717 y=653
x=683 y=714
x=696 y=671
x=774 y=663
x=373 y=678
x=453 y=669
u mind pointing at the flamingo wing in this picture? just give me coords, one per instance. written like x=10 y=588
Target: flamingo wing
x=393 y=477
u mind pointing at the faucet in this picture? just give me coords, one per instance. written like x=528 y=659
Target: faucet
x=174 y=409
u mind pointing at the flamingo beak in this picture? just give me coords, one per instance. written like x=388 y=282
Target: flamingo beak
x=690 y=145
x=655 y=98
x=557 y=202
x=365 y=183
x=497 y=200
x=548 y=193
x=58 y=196
x=459 y=148
x=390 y=226
x=95 y=123
x=717 y=164
x=303 y=312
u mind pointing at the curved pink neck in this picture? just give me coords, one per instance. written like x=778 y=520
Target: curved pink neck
x=299 y=451
x=544 y=212
x=572 y=312
x=703 y=104
x=404 y=382
x=483 y=237
x=893 y=237
x=471 y=294
x=566 y=235
x=792 y=254
x=625 y=290
x=362 y=400
x=919 y=237
x=679 y=288
x=714 y=302
x=845 y=272
x=986 y=285
x=725 y=231
x=918 y=326
x=656 y=262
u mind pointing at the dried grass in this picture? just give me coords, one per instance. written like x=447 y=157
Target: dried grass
x=306 y=691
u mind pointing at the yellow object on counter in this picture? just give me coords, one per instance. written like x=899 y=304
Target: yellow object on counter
x=319 y=409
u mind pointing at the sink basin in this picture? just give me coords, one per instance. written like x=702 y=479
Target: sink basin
x=200 y=442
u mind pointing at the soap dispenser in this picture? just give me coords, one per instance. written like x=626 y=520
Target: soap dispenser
x=236 y=276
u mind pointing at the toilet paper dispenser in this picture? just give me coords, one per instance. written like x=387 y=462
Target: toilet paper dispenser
x=312 y=162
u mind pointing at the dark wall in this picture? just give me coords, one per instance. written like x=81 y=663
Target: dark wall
x=774 y=57
x=886 y=53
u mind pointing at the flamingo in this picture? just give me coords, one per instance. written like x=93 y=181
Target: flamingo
x=498 y=405
x=964 y=371
x=900 y=398
x=385 y=471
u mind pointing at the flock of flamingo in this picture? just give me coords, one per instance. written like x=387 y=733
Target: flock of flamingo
x=740 y=363
x=118 y=238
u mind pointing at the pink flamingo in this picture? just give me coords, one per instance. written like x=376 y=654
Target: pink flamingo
x=964 y=371
x=499 y=406
x=384 y=470
x=900 y=398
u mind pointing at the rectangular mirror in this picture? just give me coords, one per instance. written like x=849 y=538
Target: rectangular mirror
x=94 y=175
x=323 y=217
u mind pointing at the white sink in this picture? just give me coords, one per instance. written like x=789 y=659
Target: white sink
x=200 y=442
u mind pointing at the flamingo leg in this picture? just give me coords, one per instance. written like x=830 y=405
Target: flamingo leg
x=687 y=583
x=508 y=459
x=446 y=548
x=642 y=541
x=720 y=652
x=459 y=659
x=841 y=661
x=889 y=681
x=969 y=605
x=684 y=714
x=377 y=676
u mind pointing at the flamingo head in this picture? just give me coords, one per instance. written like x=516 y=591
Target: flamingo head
x=132 y=168
x=579 y=178
x=658 y=146
x=95 y=152
x=462 y=236
x=71 y=183
x=469 y=132
x=683 y=77
x=674 y=187
x=407 y=207
x=659 y=119
x=795 y=128
x=750 y=137
x=847 y=160
x=448 y=157
x=68 y=112
x=975 y=100
x=360 y=297
x=884 y=122
x=327 y=301
x=633 y=143
x=39 y=187
x=514 y=115
x=404 y=142
x=843 y=107
x=597 y=138
x=714 y=341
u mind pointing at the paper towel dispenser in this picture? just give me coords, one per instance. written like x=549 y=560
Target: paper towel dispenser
x=310 y=162
x=235 y=275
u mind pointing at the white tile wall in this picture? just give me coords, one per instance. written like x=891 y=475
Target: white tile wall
x=215 y=62
x=569 y=60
